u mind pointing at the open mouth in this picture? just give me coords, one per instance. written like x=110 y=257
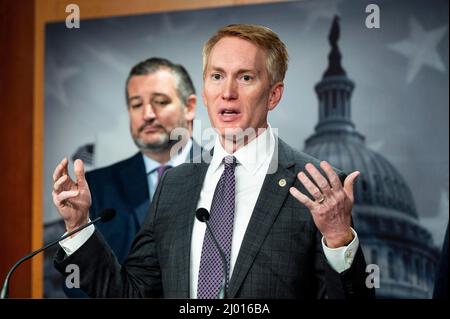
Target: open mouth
x=229 y=114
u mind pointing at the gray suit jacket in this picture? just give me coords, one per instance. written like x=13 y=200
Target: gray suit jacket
x=280 y=257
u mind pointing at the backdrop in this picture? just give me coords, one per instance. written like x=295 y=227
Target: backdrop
x=400 y=102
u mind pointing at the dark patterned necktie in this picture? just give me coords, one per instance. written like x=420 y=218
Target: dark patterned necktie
x=210 y=277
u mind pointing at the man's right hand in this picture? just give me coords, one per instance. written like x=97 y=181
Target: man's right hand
x=71 y=198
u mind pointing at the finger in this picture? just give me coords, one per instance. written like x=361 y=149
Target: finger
x=66 y=166
x=309 y=185
x=335 y=182
x=318 y=178
x=65 y=195
x=56 y=199
x=60 y=169
x=348 y=184
x=57 y=185
x=79 y=172
x=302 y=198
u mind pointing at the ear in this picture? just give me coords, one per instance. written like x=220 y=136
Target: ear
x=204 y=98
x=275 y=95
x=190 y=107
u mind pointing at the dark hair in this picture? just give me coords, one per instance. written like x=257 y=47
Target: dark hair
x=184 y=85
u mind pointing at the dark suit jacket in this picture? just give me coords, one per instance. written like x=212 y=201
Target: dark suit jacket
x=280 y=257
x=122 y=186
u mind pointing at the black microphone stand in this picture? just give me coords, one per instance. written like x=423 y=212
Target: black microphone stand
x=106 y=216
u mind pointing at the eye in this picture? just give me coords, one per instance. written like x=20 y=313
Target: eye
x=247 y=78
x=135 y=106
x=160 y=102
x=216 y=76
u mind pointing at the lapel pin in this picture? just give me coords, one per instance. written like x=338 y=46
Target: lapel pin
x=282 y=182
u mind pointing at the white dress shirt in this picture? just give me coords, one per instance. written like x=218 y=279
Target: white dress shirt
x=151 y=166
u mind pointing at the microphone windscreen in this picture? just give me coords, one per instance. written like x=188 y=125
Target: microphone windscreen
x=107 y=214
x=202 y=214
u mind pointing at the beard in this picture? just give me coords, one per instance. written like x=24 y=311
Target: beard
x=163 y=143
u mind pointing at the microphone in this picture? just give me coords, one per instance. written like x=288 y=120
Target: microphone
x=203 y=215
x=105 y=216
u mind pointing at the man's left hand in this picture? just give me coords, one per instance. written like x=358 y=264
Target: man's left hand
x=332 y=207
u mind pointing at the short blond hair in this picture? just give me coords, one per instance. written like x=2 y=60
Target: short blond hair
x=261 y=36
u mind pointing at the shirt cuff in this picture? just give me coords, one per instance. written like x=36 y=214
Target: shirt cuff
x=341 y=258
x=70 y=245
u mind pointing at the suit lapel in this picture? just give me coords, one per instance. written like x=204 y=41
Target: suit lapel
x=264 y=214
x=195 y=152
x=135 y=188
x=187 y=207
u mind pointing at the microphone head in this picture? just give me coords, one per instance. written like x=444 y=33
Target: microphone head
x=202 y=215
x=107 y=214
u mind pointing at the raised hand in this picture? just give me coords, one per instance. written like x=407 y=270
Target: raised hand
x=71 y=198
x=332 y=207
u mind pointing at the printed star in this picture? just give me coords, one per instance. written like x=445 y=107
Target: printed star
x=113 y=59
x=55 y=78
x=420 y=49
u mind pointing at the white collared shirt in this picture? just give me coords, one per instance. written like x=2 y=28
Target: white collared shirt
x=151 y=166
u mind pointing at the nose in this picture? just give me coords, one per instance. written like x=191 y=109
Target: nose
x=230 y=91
x=148 y=112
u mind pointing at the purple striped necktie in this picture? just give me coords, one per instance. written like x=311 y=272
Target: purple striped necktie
x=160 y=170
x=210 y=277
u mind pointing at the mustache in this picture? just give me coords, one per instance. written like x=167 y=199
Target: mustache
x=153 y=124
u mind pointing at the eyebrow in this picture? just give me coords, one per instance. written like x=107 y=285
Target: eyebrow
x=240 y=71
x=153 y=95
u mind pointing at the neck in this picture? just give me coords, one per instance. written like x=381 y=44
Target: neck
x=163 y=156
x=232 y=143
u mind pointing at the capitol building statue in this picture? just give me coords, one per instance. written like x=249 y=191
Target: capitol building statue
x=384 y=213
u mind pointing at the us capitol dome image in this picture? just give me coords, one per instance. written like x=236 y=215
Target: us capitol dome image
x=384 y=214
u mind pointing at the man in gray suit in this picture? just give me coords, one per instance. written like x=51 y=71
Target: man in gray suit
x=282 y=219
